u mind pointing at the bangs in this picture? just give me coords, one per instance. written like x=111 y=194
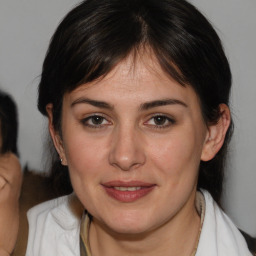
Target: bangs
x=88 y=44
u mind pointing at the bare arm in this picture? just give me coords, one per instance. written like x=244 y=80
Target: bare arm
x=10 y=184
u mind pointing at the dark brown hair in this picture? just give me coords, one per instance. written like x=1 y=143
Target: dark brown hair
x=9 y=124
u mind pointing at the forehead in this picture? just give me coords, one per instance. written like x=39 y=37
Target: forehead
x=140 y=66
x=137 y=77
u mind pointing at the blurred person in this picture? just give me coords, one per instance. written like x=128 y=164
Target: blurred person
x=10 y=175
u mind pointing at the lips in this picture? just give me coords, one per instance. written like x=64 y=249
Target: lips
x=127 y=191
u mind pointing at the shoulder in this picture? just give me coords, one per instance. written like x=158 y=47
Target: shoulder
x=66 y=211
x=54 y=227
x=219 y=235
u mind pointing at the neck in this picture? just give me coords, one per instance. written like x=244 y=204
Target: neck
x=168 y=239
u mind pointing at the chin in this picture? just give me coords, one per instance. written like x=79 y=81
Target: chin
x=128 y=223
x=127 y=230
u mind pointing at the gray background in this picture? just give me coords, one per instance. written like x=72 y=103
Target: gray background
x=25 y=30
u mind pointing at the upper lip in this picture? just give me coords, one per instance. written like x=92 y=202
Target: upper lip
x=133 y=183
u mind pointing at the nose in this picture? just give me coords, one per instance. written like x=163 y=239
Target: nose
x=127 y=149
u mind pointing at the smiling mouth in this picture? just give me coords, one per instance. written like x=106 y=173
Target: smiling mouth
x=127 y=192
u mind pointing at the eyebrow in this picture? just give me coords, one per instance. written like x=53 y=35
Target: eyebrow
x=163 y=102
x=95 y=103
x=144 y=106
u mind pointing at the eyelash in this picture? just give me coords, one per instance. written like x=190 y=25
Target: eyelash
x=170 y=121
x=86 y=120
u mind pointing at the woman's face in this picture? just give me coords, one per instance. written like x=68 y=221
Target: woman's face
x=133 y=142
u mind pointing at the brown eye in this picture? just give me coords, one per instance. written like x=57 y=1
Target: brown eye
x=97 y=120
x=160 y=120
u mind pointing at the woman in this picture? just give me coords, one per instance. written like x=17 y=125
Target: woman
x=136 y=93
x=10 y=175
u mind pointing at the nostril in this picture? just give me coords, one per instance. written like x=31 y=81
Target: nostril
x=126 y=161
x=126 y=166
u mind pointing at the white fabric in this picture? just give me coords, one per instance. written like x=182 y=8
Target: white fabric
x=54 y=230
x=219 y=235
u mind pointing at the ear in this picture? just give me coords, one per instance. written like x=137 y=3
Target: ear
x=216 y=134
x=56 y=138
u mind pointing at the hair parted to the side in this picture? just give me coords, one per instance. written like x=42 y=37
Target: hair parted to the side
x=8 y=124
x=97 y=34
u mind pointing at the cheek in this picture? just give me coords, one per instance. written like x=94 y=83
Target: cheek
x=84 y=155
x=177 y=155
x=85 y=164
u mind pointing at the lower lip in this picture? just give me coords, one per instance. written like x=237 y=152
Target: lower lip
x=128 y=196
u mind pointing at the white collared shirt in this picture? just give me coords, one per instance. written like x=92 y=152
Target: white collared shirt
x=54 y=229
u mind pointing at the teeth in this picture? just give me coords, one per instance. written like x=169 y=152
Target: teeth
x=127 y=188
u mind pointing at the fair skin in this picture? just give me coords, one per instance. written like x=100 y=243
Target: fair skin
x=10 y=185
x=138 y=130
